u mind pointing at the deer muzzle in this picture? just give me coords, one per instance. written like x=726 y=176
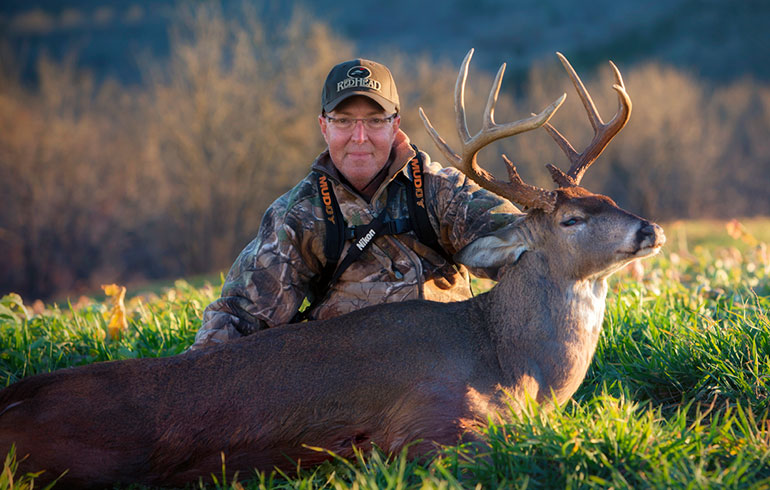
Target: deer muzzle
x=649 y=238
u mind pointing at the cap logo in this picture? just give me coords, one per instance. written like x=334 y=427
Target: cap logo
x=358 y=77
x=359 y=72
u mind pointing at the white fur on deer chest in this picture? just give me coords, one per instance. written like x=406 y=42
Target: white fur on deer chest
x=586 y=302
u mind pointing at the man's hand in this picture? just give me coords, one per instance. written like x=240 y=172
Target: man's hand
x=242 y=320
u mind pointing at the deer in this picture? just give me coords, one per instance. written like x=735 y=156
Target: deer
x=417 y=375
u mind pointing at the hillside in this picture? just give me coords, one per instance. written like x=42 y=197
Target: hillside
x=156 y=167
x=717 y=40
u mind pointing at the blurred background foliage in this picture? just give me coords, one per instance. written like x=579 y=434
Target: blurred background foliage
x=145 y=141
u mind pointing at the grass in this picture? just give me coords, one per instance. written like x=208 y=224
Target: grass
x=741 y=234
x=677 y=396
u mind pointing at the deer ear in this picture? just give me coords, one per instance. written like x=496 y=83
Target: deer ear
x=492 y=251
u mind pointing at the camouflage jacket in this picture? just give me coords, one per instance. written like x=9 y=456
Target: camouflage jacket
x=270 y=278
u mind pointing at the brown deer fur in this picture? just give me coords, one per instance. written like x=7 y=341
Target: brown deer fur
x=390 y=374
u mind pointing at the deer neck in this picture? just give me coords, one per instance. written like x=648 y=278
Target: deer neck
x=545 y=326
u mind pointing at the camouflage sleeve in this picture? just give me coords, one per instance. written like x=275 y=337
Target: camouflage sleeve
x=463 y=211
x=268 y=280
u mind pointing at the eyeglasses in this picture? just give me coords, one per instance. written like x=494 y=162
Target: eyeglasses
x=372 y=123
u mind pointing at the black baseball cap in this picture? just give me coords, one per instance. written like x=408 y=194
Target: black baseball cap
x=360 y=77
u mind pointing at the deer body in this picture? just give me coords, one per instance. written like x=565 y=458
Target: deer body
x=260 y=398
x=417 y=372
x=389 y=374
x=257 y=399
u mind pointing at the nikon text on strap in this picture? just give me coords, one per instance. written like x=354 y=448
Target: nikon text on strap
x=337 y=231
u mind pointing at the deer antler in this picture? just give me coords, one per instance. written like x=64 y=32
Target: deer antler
x=603 y=133
x=515 y=190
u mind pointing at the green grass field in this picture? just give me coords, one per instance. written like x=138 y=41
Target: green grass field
x=676 y=396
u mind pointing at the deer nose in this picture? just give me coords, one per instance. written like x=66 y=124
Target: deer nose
x=650 y=234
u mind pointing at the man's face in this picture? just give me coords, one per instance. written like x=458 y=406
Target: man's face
x=359 y=152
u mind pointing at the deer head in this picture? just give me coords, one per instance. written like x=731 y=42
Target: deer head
x=583 y=234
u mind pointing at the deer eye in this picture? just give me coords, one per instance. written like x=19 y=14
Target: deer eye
x=571 y=221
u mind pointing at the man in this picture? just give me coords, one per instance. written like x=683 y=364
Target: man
x=369 y=167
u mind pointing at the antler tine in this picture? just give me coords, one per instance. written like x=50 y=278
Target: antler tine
x=527 y=195
x=603 y=133
x=585 y=97
x=489 y=110
x=490 y=132
x=442 y=145
x=462 y=122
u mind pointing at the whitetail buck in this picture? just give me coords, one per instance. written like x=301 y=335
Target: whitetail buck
x=390 y=374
